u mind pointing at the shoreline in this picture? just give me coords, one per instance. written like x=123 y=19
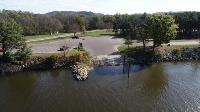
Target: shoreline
x=9 y=68
x=53 y=62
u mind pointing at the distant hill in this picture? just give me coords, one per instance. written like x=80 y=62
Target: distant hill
x=73 y=13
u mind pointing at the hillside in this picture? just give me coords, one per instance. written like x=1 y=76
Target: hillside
x=73 y=13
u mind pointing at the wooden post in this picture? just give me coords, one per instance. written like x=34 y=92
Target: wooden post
x=124 y=62
x=129 y=70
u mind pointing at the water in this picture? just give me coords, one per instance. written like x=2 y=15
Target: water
x=158 y=88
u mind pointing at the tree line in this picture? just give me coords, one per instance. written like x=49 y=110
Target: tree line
x=160 y=28
x=38 y=24
x=188 y=23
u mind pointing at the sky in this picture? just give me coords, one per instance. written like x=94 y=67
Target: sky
x=101 y=6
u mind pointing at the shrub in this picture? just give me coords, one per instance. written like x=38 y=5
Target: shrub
x=9 y=57
x=81 y=57
x=160 y=51
x=176 y=52
x=38 y=60
x=23 y=54
x=51 y=61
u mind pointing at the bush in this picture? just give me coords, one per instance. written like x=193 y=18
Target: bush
x=23 y=54
x=9 y=57
x=176 y=52
x=161 y=51
x=37 y=60
x=81 y=57
x=51 y=61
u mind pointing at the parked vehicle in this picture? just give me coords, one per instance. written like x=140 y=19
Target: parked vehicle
x=63 y=48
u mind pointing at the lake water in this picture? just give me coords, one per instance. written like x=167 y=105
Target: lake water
x=163 y=87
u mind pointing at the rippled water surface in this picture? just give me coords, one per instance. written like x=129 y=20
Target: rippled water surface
x=157 y=88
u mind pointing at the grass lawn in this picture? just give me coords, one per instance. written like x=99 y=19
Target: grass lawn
x=94 y=33
x=37 y=38
x=45 y=55
x=99 y=33
x=123 y=48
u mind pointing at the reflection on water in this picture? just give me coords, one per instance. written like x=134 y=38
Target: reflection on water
x=160 y=87
x=155 y=81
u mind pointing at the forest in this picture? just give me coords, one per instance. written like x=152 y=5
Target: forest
x=188 y=23
x=59 y=22
x=51 y=23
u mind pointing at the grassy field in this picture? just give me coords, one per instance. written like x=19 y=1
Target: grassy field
x=125 y=47
x=100 y=33
x=122 y=48
x=42 y=36
x=45 y=55
x=39 y=38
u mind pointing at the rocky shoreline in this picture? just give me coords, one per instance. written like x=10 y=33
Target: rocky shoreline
x=188 y=54
x=9 y=68
x=80 y=71
x=165 y=55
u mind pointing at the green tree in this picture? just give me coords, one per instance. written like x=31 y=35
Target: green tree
x=139 y=30
x=116 y=23
x=128 y=41
x=11 y=37
x=81 y=22
x=74 y=28
x=108 y=21
x=161 y=28
x=23 y=53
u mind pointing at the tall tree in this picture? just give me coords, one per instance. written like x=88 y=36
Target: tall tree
x=138 y=29
x=161 y=28
x=74 y=27
x=108 y=21
x=11 y=36
x=81 y=21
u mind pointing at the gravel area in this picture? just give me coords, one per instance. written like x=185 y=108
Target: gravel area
x=95 y=45
x=105 y=45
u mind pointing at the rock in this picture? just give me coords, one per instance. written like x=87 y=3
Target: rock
x=80 y=72
x=9 y=68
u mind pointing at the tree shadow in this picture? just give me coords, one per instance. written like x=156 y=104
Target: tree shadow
x=155 y=81
x=107 y=34
x=118 y=70
x=117 y=37
x=115 y=53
